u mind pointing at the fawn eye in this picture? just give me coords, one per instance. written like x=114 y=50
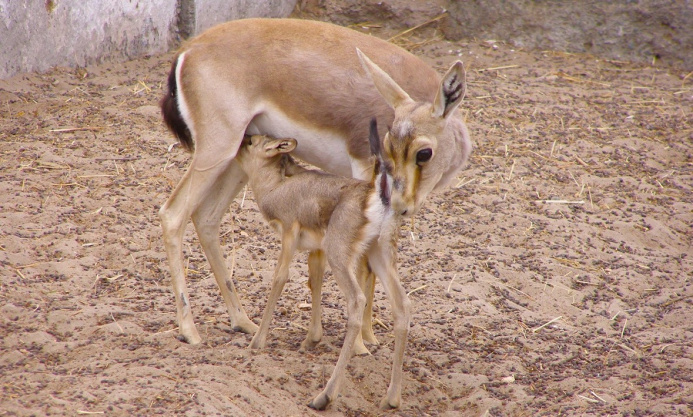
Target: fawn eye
x=424 y=155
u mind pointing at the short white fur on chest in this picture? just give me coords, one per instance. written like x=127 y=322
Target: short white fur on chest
x=380 y=218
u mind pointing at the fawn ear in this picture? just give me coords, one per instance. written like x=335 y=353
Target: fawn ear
x=451 y=91
x=393 y=94
x=374 y=139
x=277 y=146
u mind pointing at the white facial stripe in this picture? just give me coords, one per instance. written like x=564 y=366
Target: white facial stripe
x=403 y=128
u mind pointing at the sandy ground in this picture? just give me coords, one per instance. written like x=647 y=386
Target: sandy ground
x=553 y=278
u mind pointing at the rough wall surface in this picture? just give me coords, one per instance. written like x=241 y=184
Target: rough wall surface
x=405 y=13
x=36 y=35
x=211 y=12
x=632 y=30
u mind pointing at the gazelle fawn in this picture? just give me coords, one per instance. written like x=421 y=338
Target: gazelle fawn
x=304 y=80
x=342 y=220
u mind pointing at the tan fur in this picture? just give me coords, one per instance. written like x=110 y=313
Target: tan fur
x=303 y=79
x=339 y=219
x=240 y=58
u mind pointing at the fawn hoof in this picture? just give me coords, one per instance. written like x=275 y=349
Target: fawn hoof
x=320 y=402
x=370 y=338
x=256 y=343
x=246 y=326
x=360 y=349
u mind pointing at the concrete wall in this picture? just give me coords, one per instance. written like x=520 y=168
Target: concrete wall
x=36 y=35
x=207 y=13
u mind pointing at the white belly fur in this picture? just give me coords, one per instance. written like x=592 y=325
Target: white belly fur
x=320 y=148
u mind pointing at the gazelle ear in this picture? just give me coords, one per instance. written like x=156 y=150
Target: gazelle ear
x=277 y=146
x=388 y=88
x=451 y=91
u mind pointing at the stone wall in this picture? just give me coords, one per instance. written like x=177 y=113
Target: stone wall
x=207 y=13
x=632 y=30
x=36 y=35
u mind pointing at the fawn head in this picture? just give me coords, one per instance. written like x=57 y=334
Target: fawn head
x=258 y=152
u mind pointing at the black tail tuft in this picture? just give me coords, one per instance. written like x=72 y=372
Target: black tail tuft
x=172 y=117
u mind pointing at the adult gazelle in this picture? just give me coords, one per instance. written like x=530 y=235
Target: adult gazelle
x=305 y=80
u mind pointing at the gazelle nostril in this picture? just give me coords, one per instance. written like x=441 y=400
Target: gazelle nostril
x=404 y=212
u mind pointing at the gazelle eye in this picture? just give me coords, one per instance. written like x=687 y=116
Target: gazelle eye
x=424 y=155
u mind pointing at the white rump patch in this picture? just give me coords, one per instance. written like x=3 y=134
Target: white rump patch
x=180 y=98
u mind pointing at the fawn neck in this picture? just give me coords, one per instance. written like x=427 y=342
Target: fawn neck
x=273 y=172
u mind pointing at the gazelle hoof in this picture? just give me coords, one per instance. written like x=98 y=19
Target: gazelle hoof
x=308 y=344
x=193 y=339
x=320 y=402
x=389 y=404
x=246 y=327
x=385 y=405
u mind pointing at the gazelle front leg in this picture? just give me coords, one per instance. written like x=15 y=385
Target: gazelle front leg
x=316 y=274
x=281 y=275
x=207 y=219
x=383 y=261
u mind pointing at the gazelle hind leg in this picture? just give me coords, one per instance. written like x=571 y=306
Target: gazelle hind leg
x=356 y=302
x=207 y=219
x=316 y=273
x=281 y=275
x=193 y=188
x=216 y=144
x=367 y=283
x=366 y=333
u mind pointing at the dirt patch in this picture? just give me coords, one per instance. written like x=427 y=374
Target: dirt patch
x=553 y=278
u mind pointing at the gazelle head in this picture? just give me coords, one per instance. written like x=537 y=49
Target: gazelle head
x=427 y=143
